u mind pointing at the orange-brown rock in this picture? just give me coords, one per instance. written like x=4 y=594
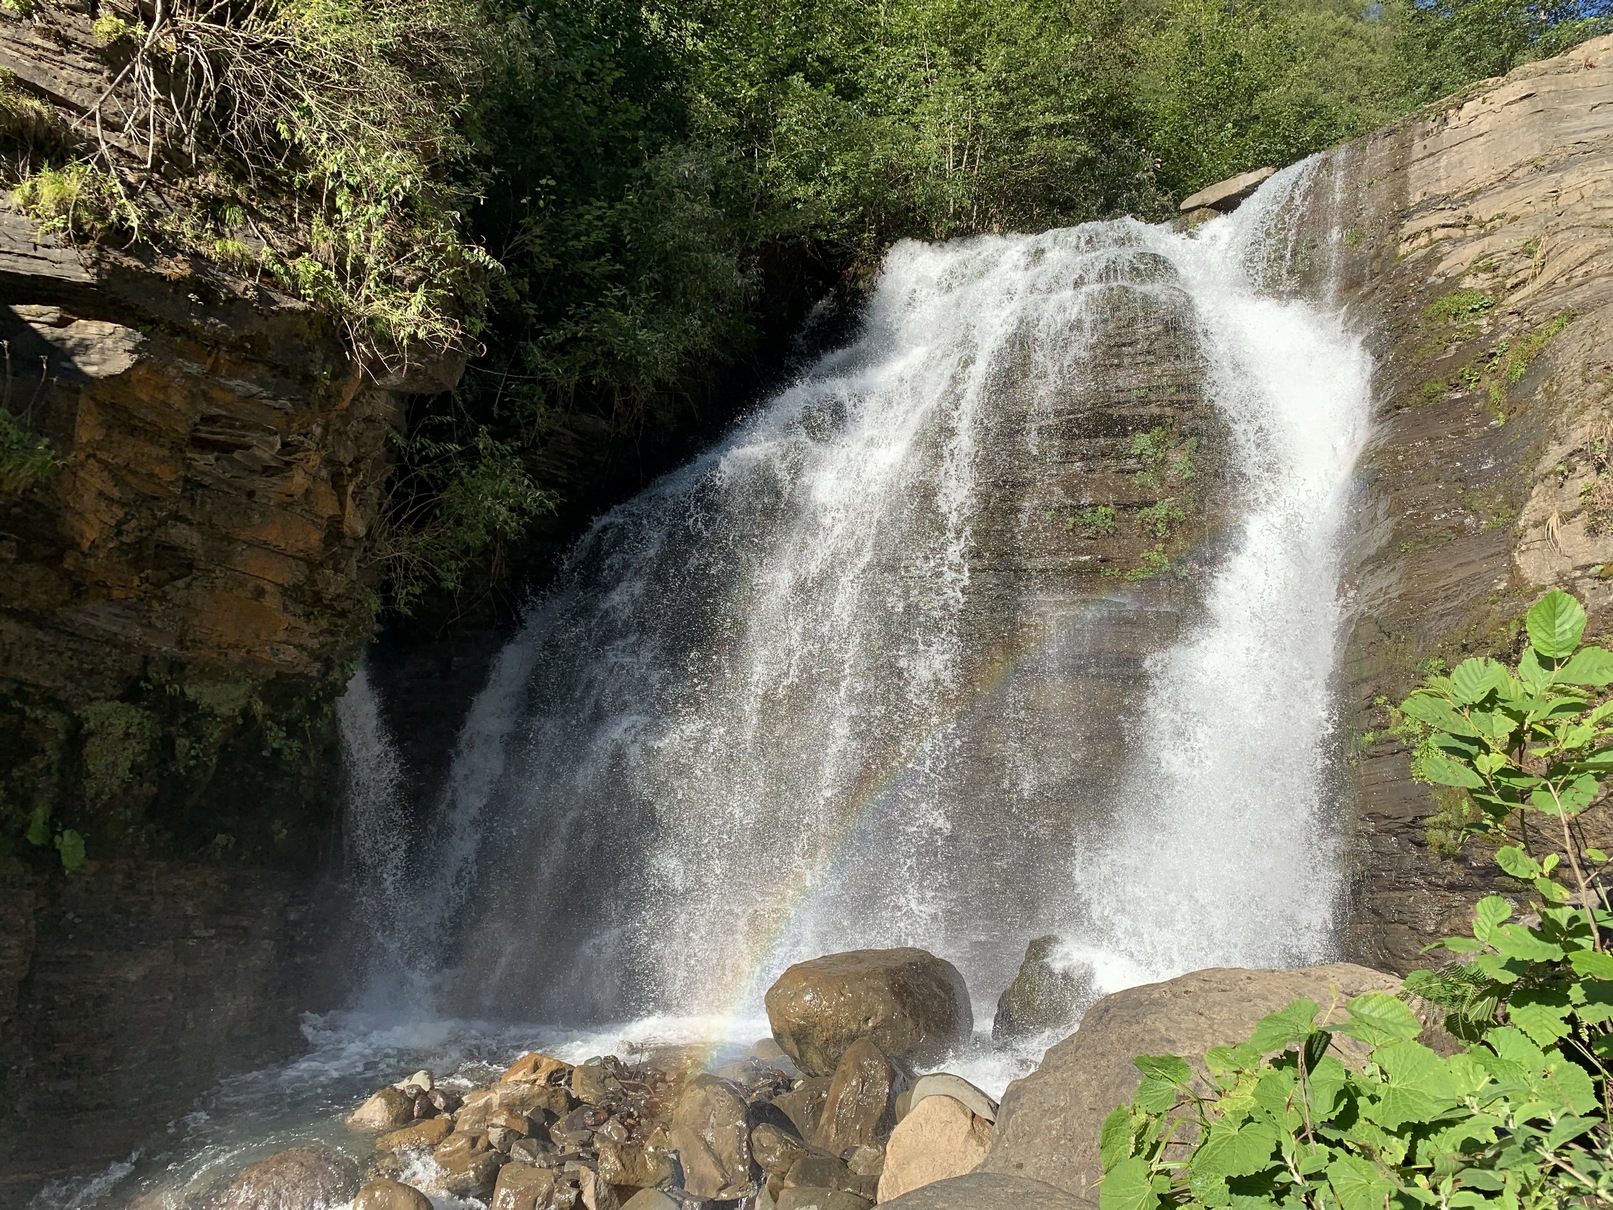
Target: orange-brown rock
x=535 y=1068
x=427 y=1133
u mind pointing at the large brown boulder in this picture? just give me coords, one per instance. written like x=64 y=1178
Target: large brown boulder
x=1047 y=1127
x=939 y=1138
x=388 y=1109
x=911 y=1004
x=990 y=1191
x=304 y=1178
x=393 y=1195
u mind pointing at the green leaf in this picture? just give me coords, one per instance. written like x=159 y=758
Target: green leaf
x=1418 y=1087
x=1128 y=1186
x=1436 y=712
x=1515 y=941
x=1534 y=675
x=1235 y=1151
x=71 y=847
x=1114 y=1140
x=1541 y=1015
x=1555 y=623
x=1358 y=1184
x=1377 y=1018
x=1281 y=1029
x=1516 y=862
x=1443 y=771
x=1166 y=1067
x=1475 y=679
x=38 y=832
x=1488 y=913
x=1590 y=666
x=1591 y=964
x=1155 y=1095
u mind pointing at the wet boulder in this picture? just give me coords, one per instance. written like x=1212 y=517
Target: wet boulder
x=1045 y=996
x=388 y=1109
x=633 y=1165
x=809 y=1198
x=428 y=1133
x=535 y=1068
x=804 y=1105
x=390 y=1195
x=775 y=1149
x=980 y=1190
x=826 y=1172
x=945 y=1084
x=468 y=1165
x=860 y=1107
x=911 y=1004
x=940 y=1138
x=522 y=1187
x=710 y=1131
x=304 y=1178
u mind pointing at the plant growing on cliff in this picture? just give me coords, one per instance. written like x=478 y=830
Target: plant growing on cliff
x=1520 y=1118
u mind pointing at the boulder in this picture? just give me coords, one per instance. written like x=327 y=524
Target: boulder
x=826 y=1172
x=1044 y=996
x=1048 y=1126
x=633 y=1165
x=867 y=1160
x=313 y=1177
x=804 y=1104
x=521 y=1187
x=990 y=1191
x=711 y=1134
x=394 y=1195
x=1225 y=195
x=945 y=1084
x=940 y=1138
x=808 y=1198
x=388 y=1109
x=596 y=1192
x=428 y=1133
x=650 y=1199
x=860 y=1106
x=775 y=1150
x=420 y=1082
x=911 y=1004
x=467 y=1166
x=593 y=1085
x=535 y=1068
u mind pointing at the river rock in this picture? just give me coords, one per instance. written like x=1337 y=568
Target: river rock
x=945 y=1084
x=1043 y=997
x=711 y=1134
x=650 y=1199
x=775 y=1150
x=467 y=1165
x=387 y=1109
x=1048 y=1125
x=420 y=1082
x=394 y=1195
x=867 y=1160
x=859 y=1108
x=808 y=1198
x=596 y=1191
x=593 y=1085
x=428 y=1133
x=304 y=1178
x=633 y=1165
x=826 y=1172
x=990 y=1191
x=940 y=1138
x=521 y=1187
x=535 y=1068
x=911 y=1004
x=804 y=1104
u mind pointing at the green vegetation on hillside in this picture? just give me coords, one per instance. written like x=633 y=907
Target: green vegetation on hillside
x=605 y=203
x=1518 y=1118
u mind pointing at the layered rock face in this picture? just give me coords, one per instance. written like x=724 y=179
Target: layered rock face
x=181 y=597
x=1477 y=251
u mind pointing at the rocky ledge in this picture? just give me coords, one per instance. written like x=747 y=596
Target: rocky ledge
x=838 y=1110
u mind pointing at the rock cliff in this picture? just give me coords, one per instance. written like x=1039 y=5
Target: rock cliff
x=1478 y=253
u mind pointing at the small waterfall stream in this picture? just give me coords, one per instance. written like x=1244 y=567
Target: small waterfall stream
x=760 y=715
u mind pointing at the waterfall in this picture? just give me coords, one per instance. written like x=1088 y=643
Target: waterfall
x=825 y=687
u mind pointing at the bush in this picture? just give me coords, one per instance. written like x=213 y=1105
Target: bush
x=1520 y=1118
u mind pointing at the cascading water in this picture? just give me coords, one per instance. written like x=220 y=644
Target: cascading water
x=761 y=715
x=837 y=684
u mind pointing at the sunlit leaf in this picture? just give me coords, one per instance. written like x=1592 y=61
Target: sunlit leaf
x=1555 y=624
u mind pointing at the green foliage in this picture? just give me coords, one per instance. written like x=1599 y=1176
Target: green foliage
x=1520 y=1118
x=1098 y=521
x=69 y=845
x=1459 y=306
x=26 y=458
x=77 y=201
x=110 y=29
x=1162 y=518
x=1445 y=44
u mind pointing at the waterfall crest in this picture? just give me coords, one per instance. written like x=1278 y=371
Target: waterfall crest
x=825 y=687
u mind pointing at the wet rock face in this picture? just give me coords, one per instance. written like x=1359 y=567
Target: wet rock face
x=860 y=1106
x=1477 y=254
x=912 y=1005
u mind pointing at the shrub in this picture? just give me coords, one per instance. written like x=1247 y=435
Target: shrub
x=1520 y=1117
